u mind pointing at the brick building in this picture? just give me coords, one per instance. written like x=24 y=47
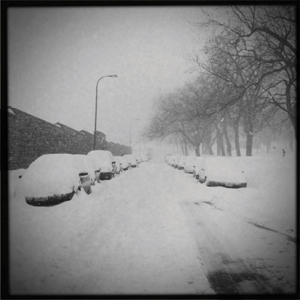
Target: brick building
x=30 y=137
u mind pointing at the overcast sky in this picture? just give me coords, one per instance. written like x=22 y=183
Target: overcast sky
x=57 y=55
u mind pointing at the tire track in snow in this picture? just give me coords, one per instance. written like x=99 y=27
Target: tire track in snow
x=227 y=272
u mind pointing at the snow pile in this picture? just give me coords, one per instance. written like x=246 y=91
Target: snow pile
x=14 y=180
x=270 y=196
x=221 y=169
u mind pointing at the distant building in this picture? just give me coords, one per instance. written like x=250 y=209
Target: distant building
x=30 y=137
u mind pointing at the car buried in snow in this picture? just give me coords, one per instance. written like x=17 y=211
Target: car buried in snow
x=54 y=178
x=173 y=161
x=104 y=164
x=190 y=164
x=181 y=162
x=144 y=157
x=176 y=159
x=131 y=160
x=221 y=171
x=125 y=163
x=198 y=164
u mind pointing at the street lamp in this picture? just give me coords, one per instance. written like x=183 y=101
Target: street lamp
x=130 y=133
x=96 y=107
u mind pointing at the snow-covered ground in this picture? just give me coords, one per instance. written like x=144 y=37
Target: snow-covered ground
x=156 y=230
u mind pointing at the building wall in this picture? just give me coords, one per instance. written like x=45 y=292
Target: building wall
x=30 y=137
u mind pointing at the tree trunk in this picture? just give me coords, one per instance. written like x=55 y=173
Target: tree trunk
x=186 y=152
x=182 y=147
x=291 y=109
x=228 y=143
x=248 y=129
x=207 y=145
x=237 y=140
x=197 y=150
x=249 y=142
x=210 y=151
x=220 y=143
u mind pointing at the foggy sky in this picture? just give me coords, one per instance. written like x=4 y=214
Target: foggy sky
x=57 y=55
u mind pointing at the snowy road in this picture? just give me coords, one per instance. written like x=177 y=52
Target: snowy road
x=151 y=250
x=150 y=230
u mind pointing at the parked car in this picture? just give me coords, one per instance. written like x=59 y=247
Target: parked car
x=54 y=178
x=171 y=160
x=104 y=163
x=144 y=157
x=198 y=166
x=190 y=164
x=125 y=163
x=131 y=160
x=221 y=171
x=176 y=159
x=181 y=162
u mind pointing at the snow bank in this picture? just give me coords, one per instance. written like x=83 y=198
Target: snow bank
x=14 y=179
x=270 y=196
x=221 y=169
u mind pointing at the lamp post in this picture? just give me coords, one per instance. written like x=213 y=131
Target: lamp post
x=96 y=107
x=130 y=133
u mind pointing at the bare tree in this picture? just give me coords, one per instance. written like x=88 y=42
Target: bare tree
x=184 y=114
x=267 y=35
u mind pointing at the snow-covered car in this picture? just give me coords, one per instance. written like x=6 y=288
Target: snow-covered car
x=104 y=163
x=221 y=171
x=144 y=157
x=125 y=163
x=54 y=178
x=176 y=159
x=169 y=159
x=131 y=160
x=167 y=156
x=181 y=162
x=190 y=164
x=172 y=160
x=198 y=166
